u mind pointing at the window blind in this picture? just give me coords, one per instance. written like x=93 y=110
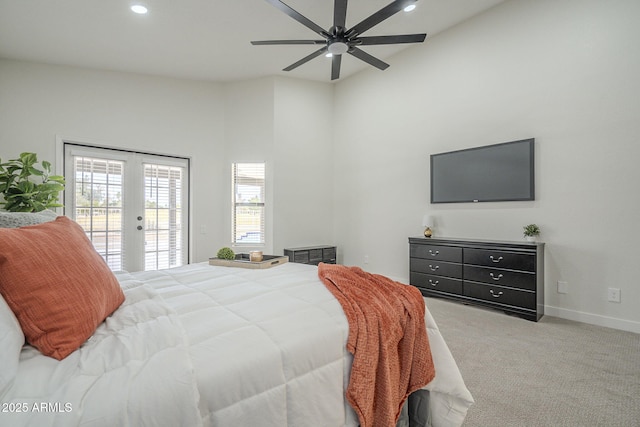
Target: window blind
x=98 y=205
x=248 y=211
x=163 y=186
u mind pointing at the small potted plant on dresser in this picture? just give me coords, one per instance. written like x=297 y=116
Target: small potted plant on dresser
x=531 y=231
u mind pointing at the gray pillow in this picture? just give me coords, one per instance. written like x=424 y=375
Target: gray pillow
x=20 y=219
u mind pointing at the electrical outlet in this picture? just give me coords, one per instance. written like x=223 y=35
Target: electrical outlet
x=563 y=287
x=366 y=259
x=613 y=295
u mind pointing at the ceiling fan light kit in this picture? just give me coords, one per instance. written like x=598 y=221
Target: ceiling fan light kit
x=337 y=48
x=339 y=40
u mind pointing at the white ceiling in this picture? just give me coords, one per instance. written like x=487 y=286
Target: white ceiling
x=203 y=39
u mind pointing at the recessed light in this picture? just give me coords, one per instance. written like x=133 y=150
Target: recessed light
x=140 y=9
x=329 y=55
x=410 y=8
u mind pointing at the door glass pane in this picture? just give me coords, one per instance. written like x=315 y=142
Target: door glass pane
x=98 y=205
x=111 y=193
x=163 y=186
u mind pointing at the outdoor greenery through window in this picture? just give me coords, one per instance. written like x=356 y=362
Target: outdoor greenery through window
x=248 y=203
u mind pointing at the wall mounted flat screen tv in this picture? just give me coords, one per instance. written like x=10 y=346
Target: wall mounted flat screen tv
x=493 y=173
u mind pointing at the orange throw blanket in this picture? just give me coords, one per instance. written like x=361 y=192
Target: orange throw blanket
x=388 y=340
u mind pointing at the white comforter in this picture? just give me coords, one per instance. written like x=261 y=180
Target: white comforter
x=214 y=346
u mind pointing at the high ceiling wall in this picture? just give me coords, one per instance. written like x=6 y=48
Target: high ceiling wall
x=564 y=72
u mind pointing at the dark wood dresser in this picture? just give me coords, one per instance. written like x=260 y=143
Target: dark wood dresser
x=312 y=254
x=508 y=276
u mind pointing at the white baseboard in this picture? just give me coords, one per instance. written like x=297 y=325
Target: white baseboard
x=593 y=319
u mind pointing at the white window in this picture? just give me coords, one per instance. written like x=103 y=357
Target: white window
x=133 y=206
x=248 y=223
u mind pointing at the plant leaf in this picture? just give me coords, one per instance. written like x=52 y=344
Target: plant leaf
x=34 y=171
x=57 y=178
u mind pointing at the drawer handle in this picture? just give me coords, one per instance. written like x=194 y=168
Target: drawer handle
x=495 y=260
x=432 y=283
x=432 y=268
x=495 y=295
x=494 y=277
x=434 y=253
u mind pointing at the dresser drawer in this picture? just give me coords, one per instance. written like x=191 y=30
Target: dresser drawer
x=436 y=283
x=315 y=256
x=436 y=268
x=501 y=295
x=436 y=252
x=496 y=276
x=301 y=257
x=500 y=259
x=329 y=255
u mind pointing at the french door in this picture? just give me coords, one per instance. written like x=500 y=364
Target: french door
x=133 y=206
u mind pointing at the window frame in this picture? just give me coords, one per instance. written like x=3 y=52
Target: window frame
x=261 y=204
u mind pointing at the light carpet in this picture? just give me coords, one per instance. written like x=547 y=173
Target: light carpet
x=554 y=372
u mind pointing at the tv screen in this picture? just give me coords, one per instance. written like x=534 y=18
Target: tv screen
x=493 y=173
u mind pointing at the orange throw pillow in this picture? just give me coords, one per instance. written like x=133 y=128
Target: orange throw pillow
x=55 y=282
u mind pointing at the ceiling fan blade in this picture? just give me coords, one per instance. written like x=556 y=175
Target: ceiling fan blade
x=276 y=42
x=306 y=59
x=340 y=13
x=299 y=17
x=372 y=60
x=384 y=13
x=375 y=40
x=335 y=67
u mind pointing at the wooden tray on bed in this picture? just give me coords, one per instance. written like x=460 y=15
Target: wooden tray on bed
x=242 y=261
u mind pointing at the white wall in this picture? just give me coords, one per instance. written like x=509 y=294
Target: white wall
x=284 y=122
x=287 y=124
x=304 y=164
x=152 y=114
x=565 y=72
x=249 y=137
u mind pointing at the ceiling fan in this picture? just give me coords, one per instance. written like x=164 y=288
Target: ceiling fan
x=339 y=39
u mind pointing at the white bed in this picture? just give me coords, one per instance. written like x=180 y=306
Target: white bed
x=192 y=346
x=213 y=346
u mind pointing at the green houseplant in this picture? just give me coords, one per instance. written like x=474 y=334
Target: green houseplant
x=26 y=188
x=531 y=231
x=226 y=253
